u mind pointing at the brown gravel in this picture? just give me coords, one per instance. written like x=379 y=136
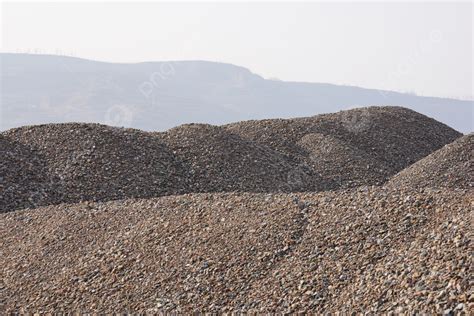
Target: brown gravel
x=400 y=248
x=431 y=273
x=450 y=167
x=178 y=253
x=366 y=249
x=353 y=241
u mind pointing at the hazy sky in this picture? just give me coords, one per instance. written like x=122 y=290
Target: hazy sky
x=420 y=47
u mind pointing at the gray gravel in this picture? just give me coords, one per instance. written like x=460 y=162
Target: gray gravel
x=24 y=177
x=91 y=162
x=392 y=137
x=49 y=164
x=451 y=166
x=220 y=161
x=346 y=165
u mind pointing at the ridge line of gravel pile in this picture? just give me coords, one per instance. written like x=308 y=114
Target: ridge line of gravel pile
x=449 y=167
x=73 y=162
x=393 y=136
x=92 y=162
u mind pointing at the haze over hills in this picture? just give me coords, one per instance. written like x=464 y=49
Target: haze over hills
x=156 y=96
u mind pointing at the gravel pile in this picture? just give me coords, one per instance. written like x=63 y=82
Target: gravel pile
x=361 y=252
x=220 y=161
x=328 y=156
x=432 y=272
x=365 y=249
x=450 y=167
x=92 y=162
x=393 y=138
x=24 y=178
x=180 y=253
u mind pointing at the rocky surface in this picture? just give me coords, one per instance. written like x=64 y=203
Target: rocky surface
x=450 y=167
x=430 y=273
x=346 y=165
x=179 y=253
x=220 y=161
x=53 y=163
x=371 y=250
x=394 y=136
x=92 y=162
x=24 y=177
x=204 y=218
x=363 y=251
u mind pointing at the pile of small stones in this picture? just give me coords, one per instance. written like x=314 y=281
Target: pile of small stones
x=368 y=249
x=346 y=165
x=229 y=219
x=24 y=177
x=393 y=137
x=89 y=162
x=54 y=163
x=220 y=161
x=450 y=167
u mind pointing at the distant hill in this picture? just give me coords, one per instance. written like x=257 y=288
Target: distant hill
x=37 y=89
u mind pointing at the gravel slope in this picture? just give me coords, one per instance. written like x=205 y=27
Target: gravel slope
x=221 y=161
x=451 y=166
x=96 y=162
x=243 y=252
x=91 y=162
x=360 y=254
x=24 y=177
x=168 y=252
x=394 y=136
x=346 y=165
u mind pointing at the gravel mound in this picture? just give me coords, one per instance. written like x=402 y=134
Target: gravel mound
x=451 y=166
x=437 y=278
x=279 y=134
x=334 y=159
x=365 y=249
x=395 y=137
x=24 y=178
x=92 y=162
x=220 y=161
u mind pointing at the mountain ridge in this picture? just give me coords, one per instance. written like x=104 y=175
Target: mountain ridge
x=159 y=95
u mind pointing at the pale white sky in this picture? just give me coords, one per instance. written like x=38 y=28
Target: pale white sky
x=420 y=47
